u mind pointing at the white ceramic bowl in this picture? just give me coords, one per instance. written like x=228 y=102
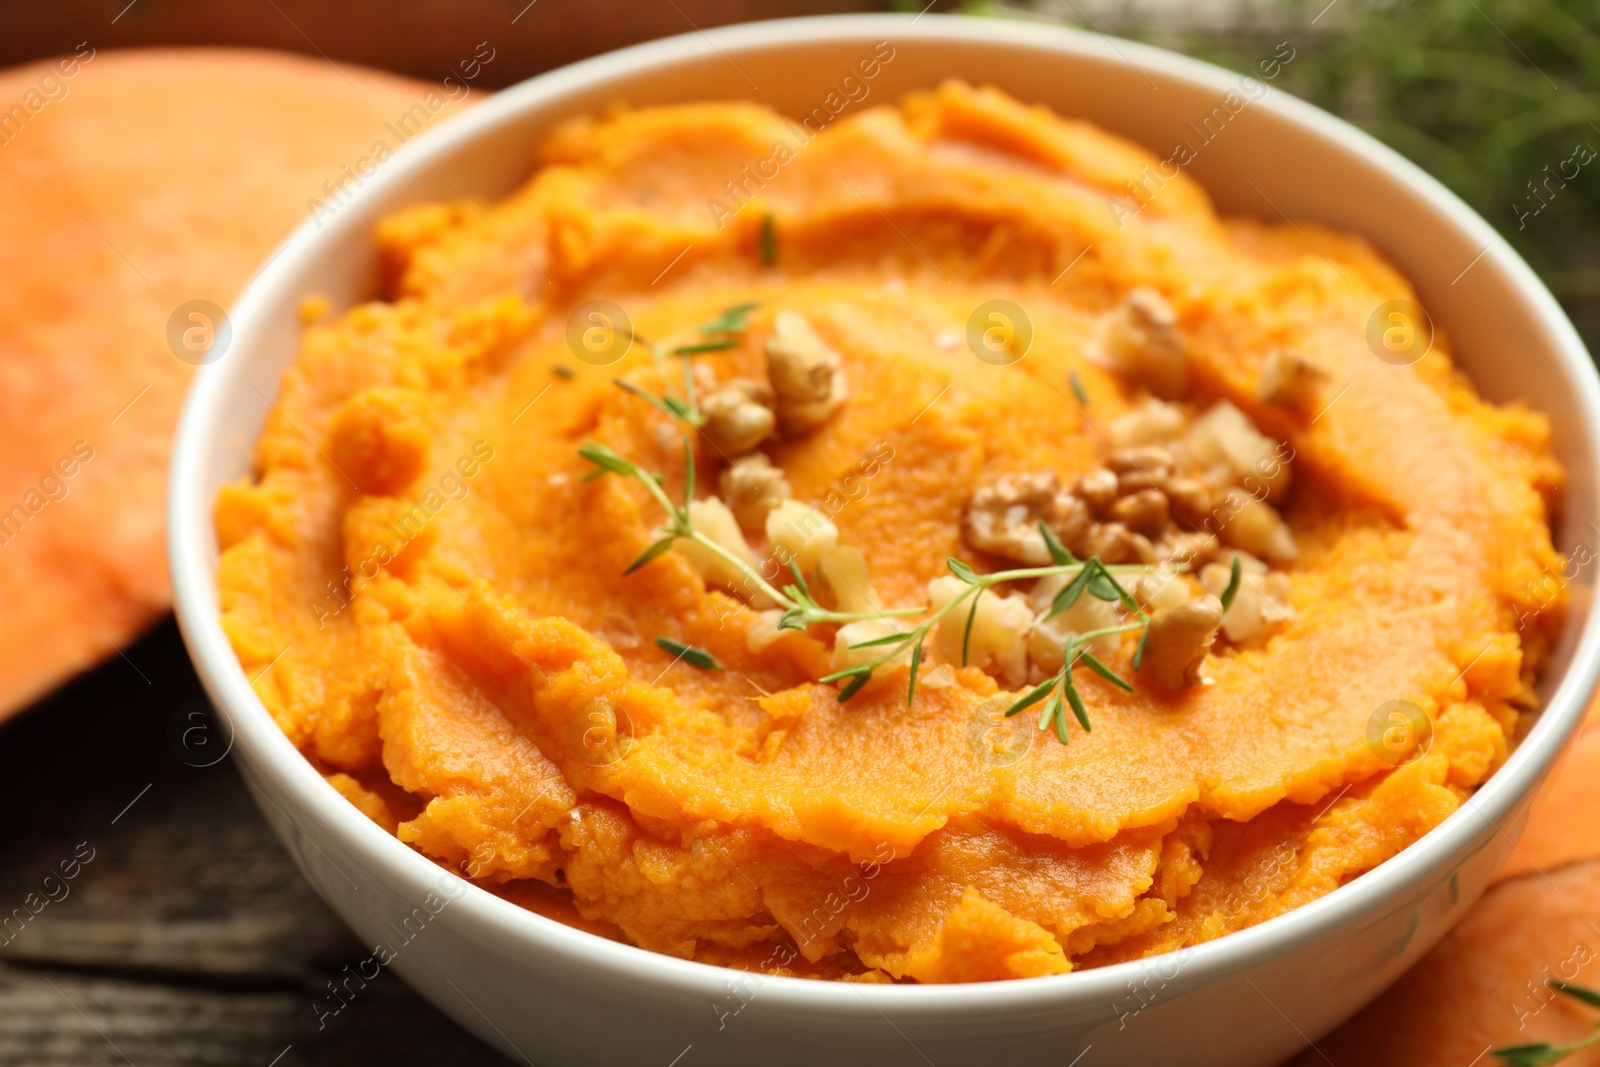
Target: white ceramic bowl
x=541 y=991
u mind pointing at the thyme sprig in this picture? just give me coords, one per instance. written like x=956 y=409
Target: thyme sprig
x=725 y=331
x=1542 y=1053
x=1090 y=575
x=695 y=657
x=800 y=607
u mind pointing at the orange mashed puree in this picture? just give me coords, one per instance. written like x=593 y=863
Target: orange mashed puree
x=433 y=595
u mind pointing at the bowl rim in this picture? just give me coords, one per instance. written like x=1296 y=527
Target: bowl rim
x=267 y=751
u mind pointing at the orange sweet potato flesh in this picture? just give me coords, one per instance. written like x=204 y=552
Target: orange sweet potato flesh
x=455 y=639
x=158 y=177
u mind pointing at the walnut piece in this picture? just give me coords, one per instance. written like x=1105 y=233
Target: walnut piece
x=1178 y=640
x=739 y=416
x=805 y=373
x=996 y=643
x=800 y=533
x=752 y=487
x=712 y=518
x=1259 y=605
x=1143 y=343
x=1290 y=379
x=1003 y=518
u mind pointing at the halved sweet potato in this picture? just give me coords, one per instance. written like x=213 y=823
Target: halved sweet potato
x=130 y=184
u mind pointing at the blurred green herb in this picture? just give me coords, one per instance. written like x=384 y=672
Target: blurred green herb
x=694 y=657
x=1484 y=95
x=1541 y=1053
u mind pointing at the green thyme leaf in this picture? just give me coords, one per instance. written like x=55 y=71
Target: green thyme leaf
x=887 y=639
x=1094 y=664
x=670 y=404
x=1051 y=709
x=706 y=346
x=1540 y=1053
x=855 y=687
x=561 y=370
x=1104 y=586
x=769 y=240
x=848 y=672
x=1077 y=388
x=1058 y=552
x=1234 y=577
x=1033 y=696
x=1076 y=701
x=1577 y=992
x=1071 y=591
x=695 y=657
x=916 y=662
x=966 y=635
x=793 y=619
x=1138 y=651
x=1060 y=717
x=735 y=319
x=799 y=579
x=607 y=460
x=649 y=554
x=961 y=570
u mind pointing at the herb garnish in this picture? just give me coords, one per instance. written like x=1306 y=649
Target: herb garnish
x=731 y=323
x=561 y=370
x=1089 y=575
x=1540 y=1053
x=1234 y=577
x=694 y=657
x=801 y=610
x=1077 y=388
x=769 y=240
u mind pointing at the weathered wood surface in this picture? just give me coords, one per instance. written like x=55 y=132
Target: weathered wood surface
x=186 y=936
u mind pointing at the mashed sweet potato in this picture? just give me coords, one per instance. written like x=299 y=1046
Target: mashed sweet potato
x=432 y=598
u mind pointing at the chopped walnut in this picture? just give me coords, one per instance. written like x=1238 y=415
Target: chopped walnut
x=855 y=633
x=712 y=518
x=1189 y=501
x=1290 y=379
x=1178 y=640
x=738 y=416
x=1225 y=437
x=800 y=533
x=843 y=581
x=1144 y=467
x=752 y=487
x=1048 y=637
x=1143 y=343
x=1152 y=422
x=998 y=628
x=1098 y=488
x=1003 y=518
x=806 y=375
x=1162 y=588
x=763 y=631
x=1143 y=512
x=1114 y=543
x=1259 y=605
x=1255 y=526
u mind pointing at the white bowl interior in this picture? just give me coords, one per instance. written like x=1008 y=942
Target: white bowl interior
x=1277 y=155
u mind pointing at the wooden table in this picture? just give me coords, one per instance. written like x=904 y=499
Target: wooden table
x=188 y=937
